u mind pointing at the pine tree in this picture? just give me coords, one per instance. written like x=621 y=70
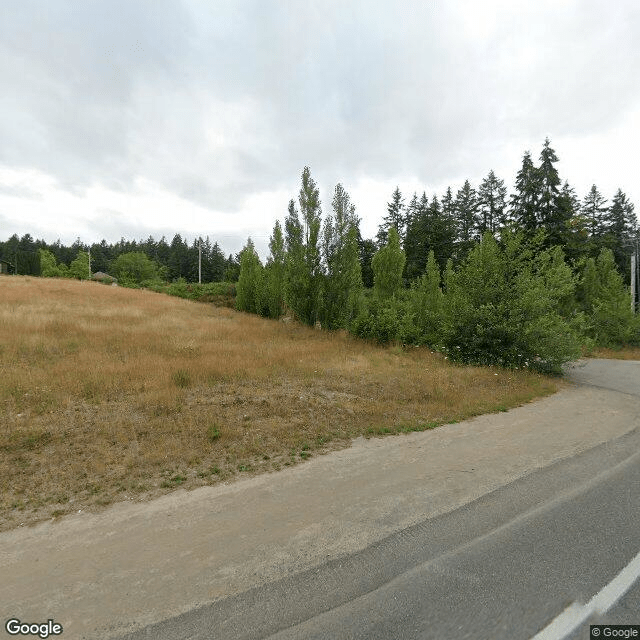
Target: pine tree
x=492 y=204
x=619 y=226
x=551 y=215
x=416 y=242
x=466 y=209
x=594 y=209
x=395 y=218
x=525 y=202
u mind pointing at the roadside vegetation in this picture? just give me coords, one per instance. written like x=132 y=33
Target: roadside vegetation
x=110 y=393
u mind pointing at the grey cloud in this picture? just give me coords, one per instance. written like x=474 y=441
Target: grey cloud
x=109 y=92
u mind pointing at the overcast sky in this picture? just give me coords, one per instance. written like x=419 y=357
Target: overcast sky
x=130 y=118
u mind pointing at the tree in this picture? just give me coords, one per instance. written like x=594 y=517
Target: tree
x=492 y=204
x=388 y=264
x=607 y=303
x=366 y=250
x=395 y=218
x=134 y=267
x=79 y=268
x=417 y=239
x=426 y=303
x=49 y=267
x=593 y=209
x=466 y=211
x=295 y=275
x=619 y=228
x=552 y=216
x=343 y=282
x=249 y=295
x=526 y=199
x=275 y=272
x=309 y=200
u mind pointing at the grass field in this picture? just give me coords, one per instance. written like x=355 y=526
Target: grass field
x=111 y=394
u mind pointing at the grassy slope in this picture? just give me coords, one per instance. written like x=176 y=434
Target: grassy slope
x=110 y=393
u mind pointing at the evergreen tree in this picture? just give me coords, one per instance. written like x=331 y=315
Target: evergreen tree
x=593 y=210
x=525 y=202
x=366 y=251
x=388 y=265
x=395 y=218
x=426 y=303
x=466 y=208
x=552 y=216
x=417 y=239
x=576 y=235
x=492 y=204
x=619 y=226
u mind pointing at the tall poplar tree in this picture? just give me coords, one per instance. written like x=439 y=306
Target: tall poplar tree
x=343 y=282
x=309 y=199
x=274 y=272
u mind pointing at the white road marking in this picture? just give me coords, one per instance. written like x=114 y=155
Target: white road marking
x=572 y=617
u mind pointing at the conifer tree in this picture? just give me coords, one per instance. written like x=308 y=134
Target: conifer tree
x=395 y=218
x=551 y=214
x=492 y=205
x=525 y=201
x=466 y=209
x=594 y=210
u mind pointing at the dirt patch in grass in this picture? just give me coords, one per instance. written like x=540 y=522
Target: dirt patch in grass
x=111 y=394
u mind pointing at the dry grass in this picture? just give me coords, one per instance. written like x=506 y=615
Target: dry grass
x=110 y=394
x=625 y=353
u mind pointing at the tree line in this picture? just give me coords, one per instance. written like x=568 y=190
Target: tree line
x=520 y=281
x=524 y=279
x=164 y=261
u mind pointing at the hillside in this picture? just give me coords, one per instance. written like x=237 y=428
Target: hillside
x=111 y=394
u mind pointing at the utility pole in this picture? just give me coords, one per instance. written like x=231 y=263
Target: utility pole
x=89 y=252
x=199 y=260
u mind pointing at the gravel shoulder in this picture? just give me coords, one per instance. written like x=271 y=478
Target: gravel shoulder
x=105 y=574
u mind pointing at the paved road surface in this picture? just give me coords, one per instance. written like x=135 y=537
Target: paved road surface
x=352 y=534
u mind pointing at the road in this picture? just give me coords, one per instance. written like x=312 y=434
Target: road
x=485 y=529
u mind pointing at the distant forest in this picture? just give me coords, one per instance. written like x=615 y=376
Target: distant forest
x=449 y=225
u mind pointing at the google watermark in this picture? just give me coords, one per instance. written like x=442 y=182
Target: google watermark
x=46 y=629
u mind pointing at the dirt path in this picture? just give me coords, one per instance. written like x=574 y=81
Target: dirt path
x=100 y=575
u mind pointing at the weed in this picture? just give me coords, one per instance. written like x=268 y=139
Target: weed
x=213 y=432
x=181 y=378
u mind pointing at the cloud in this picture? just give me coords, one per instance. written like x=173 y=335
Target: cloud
x=221 y=104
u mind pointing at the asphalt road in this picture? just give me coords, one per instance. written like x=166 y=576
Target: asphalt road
x=503 y=566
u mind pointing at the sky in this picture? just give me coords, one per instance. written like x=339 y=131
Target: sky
x=131 y=118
